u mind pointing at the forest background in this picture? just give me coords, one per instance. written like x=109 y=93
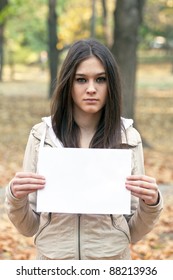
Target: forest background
x=33 y=42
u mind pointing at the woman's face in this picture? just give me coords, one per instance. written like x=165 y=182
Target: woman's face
x=89 y=90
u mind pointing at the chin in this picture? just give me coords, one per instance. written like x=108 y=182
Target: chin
x=92 y=111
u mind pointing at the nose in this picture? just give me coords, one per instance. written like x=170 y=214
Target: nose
x=91 y=88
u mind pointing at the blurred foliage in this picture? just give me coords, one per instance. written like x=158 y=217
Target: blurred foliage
x=26 y=25
x=157 y=21
x=74 y=21
x=26 y=30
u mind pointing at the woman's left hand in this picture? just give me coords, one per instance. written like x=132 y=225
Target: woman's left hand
x=144 y=187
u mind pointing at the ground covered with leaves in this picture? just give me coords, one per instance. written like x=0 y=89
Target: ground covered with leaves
x=22 y=104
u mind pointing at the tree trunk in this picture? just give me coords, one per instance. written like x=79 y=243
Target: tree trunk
x=127 y=19
x=53 y=40
x=3 y=4
x=107 y=36
x=93 y=19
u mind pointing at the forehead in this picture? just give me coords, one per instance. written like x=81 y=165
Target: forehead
x=91 y=64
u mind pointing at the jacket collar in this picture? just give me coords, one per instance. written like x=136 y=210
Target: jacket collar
x=52 y=140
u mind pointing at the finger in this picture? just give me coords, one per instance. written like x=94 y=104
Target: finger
x=24 y=186
x=28 y=181
x=141 y=190
x=142 y=184
x=143 y=181
x=29 y=175
x=141 y=178
x=27 y=187
x=21 y=194
x=148 y=199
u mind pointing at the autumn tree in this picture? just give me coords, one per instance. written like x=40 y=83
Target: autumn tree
x=127 y=20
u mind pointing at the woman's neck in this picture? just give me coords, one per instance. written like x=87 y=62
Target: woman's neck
x=87 y=125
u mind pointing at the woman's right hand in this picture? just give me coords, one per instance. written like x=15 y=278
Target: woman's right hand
x=24 y=183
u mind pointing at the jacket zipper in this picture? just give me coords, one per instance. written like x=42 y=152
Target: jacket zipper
x=118 y=228
x=44 y=226
x=79 y=221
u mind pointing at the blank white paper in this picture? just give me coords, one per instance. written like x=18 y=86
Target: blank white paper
x=80 y=180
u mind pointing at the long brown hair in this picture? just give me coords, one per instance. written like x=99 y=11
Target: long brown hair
x=108 y=133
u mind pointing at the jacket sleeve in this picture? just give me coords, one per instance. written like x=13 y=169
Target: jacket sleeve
x=22 y=212
x=143 y=217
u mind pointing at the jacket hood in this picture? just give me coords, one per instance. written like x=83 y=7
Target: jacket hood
x=130 y=134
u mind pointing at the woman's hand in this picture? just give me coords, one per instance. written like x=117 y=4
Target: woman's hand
x=24 y=183
x=144 y=187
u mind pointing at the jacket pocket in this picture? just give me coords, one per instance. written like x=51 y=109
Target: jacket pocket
x=120 y=223
x=45 y=220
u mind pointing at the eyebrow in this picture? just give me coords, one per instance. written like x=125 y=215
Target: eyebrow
x=97 y=74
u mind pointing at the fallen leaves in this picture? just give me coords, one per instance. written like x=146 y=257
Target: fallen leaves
x=159 y=164
x=18 y=114
x=13 y=246
x=158 y=244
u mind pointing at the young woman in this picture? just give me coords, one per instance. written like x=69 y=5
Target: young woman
x=85 y=113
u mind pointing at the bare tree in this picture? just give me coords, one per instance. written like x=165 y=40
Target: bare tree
x=93 y=18
x=127 y=20
x=105 y=23
x=53 y=40
x=3 y=4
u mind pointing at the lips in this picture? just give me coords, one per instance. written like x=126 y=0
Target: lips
x=92 y=100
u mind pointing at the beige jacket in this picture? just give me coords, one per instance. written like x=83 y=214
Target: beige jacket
x=74 y=236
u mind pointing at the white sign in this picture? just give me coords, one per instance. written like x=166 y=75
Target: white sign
x=82 y=180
